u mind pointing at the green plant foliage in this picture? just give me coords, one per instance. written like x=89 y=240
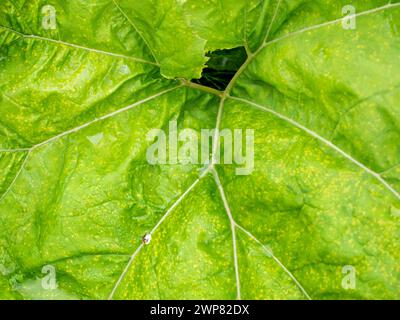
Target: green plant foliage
x=78 y=98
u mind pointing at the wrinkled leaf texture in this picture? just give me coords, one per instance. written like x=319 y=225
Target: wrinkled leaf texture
x=77 y=193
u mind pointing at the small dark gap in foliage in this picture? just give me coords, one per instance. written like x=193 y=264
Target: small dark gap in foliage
x=222 y=67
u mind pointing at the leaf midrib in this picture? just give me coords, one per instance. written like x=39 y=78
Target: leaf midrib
x=225 y=95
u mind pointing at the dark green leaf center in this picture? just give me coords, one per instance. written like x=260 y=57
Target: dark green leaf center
x=221 y=67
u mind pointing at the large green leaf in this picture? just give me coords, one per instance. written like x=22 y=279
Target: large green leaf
x=77 y=193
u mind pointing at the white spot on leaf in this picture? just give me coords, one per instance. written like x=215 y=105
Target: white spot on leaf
x=96 y=139
x=124 y=69
x=395 y=212
x=147 y=238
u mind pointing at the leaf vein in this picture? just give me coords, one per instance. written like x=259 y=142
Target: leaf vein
x=137 y=30
x=328 y=23
x=107 y=116
x=269 y=253
x=76 y=46
x=325 y=141
x=233 y=230
x=137 y=251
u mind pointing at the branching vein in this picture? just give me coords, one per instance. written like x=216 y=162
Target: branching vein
x=137 y=30
x=339 y=20
x=270 y=254
x=325 y=141
x=137 y=251
x=233 y=224
x=72 y=45
x=83 y=126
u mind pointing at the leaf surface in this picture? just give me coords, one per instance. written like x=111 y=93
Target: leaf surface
x=78 y=194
